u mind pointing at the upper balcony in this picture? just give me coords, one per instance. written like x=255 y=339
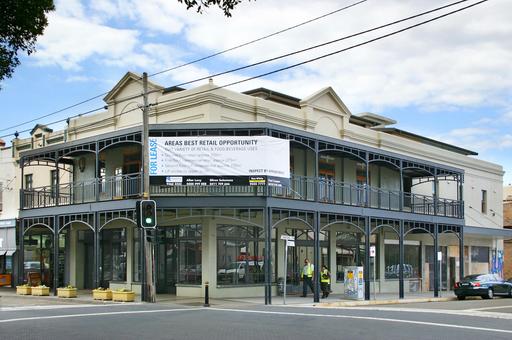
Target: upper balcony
x=300 y=188
x=108 y=168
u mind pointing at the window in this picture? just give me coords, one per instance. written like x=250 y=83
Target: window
x=137 y=248
x=484 y=201
x=113 y=246
x=480 y=254
x=190 y=254
x=1 y=195
x=53 y=181
x=240 y=252
x=349 y=252
x=28 y=182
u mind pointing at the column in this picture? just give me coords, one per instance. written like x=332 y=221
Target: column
x=316 y=275
x=461 y=252
x=268 y=255
x=436 y=262
x=367 y=258
x=56 y=227
x=401 y=270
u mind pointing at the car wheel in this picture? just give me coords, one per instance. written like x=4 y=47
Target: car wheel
x=510 y=292
x=461 y=297
x=490 y=294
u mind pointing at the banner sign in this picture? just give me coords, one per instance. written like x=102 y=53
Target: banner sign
x=216 y=160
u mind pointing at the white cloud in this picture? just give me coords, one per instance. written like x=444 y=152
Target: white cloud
x=68 y=42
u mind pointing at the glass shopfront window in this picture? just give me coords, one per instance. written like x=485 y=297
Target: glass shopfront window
x=190 y=254
x=137 y=264
x=412 y=259
x=113 y=261
x=240 y=255
x=350 y=251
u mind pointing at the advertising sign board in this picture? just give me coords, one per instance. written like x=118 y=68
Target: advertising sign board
x=219 y=160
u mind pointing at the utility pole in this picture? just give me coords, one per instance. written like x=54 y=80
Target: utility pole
x=149 y=249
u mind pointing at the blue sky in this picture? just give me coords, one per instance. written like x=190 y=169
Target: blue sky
x=450 y=80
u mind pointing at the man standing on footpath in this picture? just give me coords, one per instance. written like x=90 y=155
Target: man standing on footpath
x=307 y=277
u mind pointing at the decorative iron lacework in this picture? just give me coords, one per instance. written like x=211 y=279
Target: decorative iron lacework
x=88 y=147
x=413 y=227
x=376 y=223
x=282 y=214
x=307 y=142
x=87 y=218
x=358 y=153
x=107 y=216
x=42 y=220
x=209 y=132
x=135 y=137
x=328 y=219
x=447 y=228
x=373 y=157
x=415 y=165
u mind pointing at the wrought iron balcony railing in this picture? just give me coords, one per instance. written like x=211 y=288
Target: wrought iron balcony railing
x=300 y=188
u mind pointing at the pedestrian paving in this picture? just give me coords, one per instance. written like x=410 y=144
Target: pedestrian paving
x=9 y=299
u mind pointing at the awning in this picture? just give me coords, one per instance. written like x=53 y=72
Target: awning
x=7 y=240
x=10 y=252
x=506 y=234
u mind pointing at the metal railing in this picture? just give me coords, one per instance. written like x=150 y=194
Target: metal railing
x=300 y=188
x=87 y=191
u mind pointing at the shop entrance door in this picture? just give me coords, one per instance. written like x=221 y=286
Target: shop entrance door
x=166 y=260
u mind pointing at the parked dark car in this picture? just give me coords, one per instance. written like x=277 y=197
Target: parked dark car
x=484 y=285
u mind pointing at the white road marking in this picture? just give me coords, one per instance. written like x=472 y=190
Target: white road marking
x=43 y=307
x=424 y=323
x=463 y=312
x=489 y=308
x=98 y=314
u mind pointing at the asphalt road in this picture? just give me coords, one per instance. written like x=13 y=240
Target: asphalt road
x=169 y=321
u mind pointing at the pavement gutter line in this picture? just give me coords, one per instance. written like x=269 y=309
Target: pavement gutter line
x=368 y=318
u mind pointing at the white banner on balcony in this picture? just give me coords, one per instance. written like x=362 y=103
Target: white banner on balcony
x=219 y=156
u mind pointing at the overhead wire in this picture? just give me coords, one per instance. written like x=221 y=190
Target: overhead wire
x=304 y=50
x=193 y=62
x=317 y=58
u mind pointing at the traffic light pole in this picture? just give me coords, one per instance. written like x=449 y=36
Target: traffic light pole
x=149 y=249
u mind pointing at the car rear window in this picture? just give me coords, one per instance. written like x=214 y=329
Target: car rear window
x=476 y=277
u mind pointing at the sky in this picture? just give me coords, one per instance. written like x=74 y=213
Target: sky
x=450 y=80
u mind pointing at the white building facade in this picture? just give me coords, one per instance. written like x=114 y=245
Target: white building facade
x=431 y=211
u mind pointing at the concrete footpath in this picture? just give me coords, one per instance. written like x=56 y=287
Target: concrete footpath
x=9 y=299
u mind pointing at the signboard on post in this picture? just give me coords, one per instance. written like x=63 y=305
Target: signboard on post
x=290 y=243
x=219 y=160
x=372 y=251
x=287 y=237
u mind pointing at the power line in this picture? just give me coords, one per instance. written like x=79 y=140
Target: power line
x=60 y=120
x=322 y=44
x=258 y=39
x=313 y=59
x=193 y=62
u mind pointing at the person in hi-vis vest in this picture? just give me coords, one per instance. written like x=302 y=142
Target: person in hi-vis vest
x=307 y=277
x=325 y=281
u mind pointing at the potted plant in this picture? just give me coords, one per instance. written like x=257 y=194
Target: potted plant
x=41 y=290
x=24 y=289
x=102 y=294
x=124 y=295
x=66 y=292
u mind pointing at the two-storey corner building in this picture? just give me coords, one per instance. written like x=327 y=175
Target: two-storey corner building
x=349 y=184
x=9 y=205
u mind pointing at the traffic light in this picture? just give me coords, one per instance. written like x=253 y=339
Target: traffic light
x=147 y=214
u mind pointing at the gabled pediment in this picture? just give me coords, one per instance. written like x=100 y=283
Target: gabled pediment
x=327 y=100
x=40 y=128
x=128 y=79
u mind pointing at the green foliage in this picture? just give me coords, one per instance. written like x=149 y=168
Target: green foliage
x=226 y=5
x=21 y=22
